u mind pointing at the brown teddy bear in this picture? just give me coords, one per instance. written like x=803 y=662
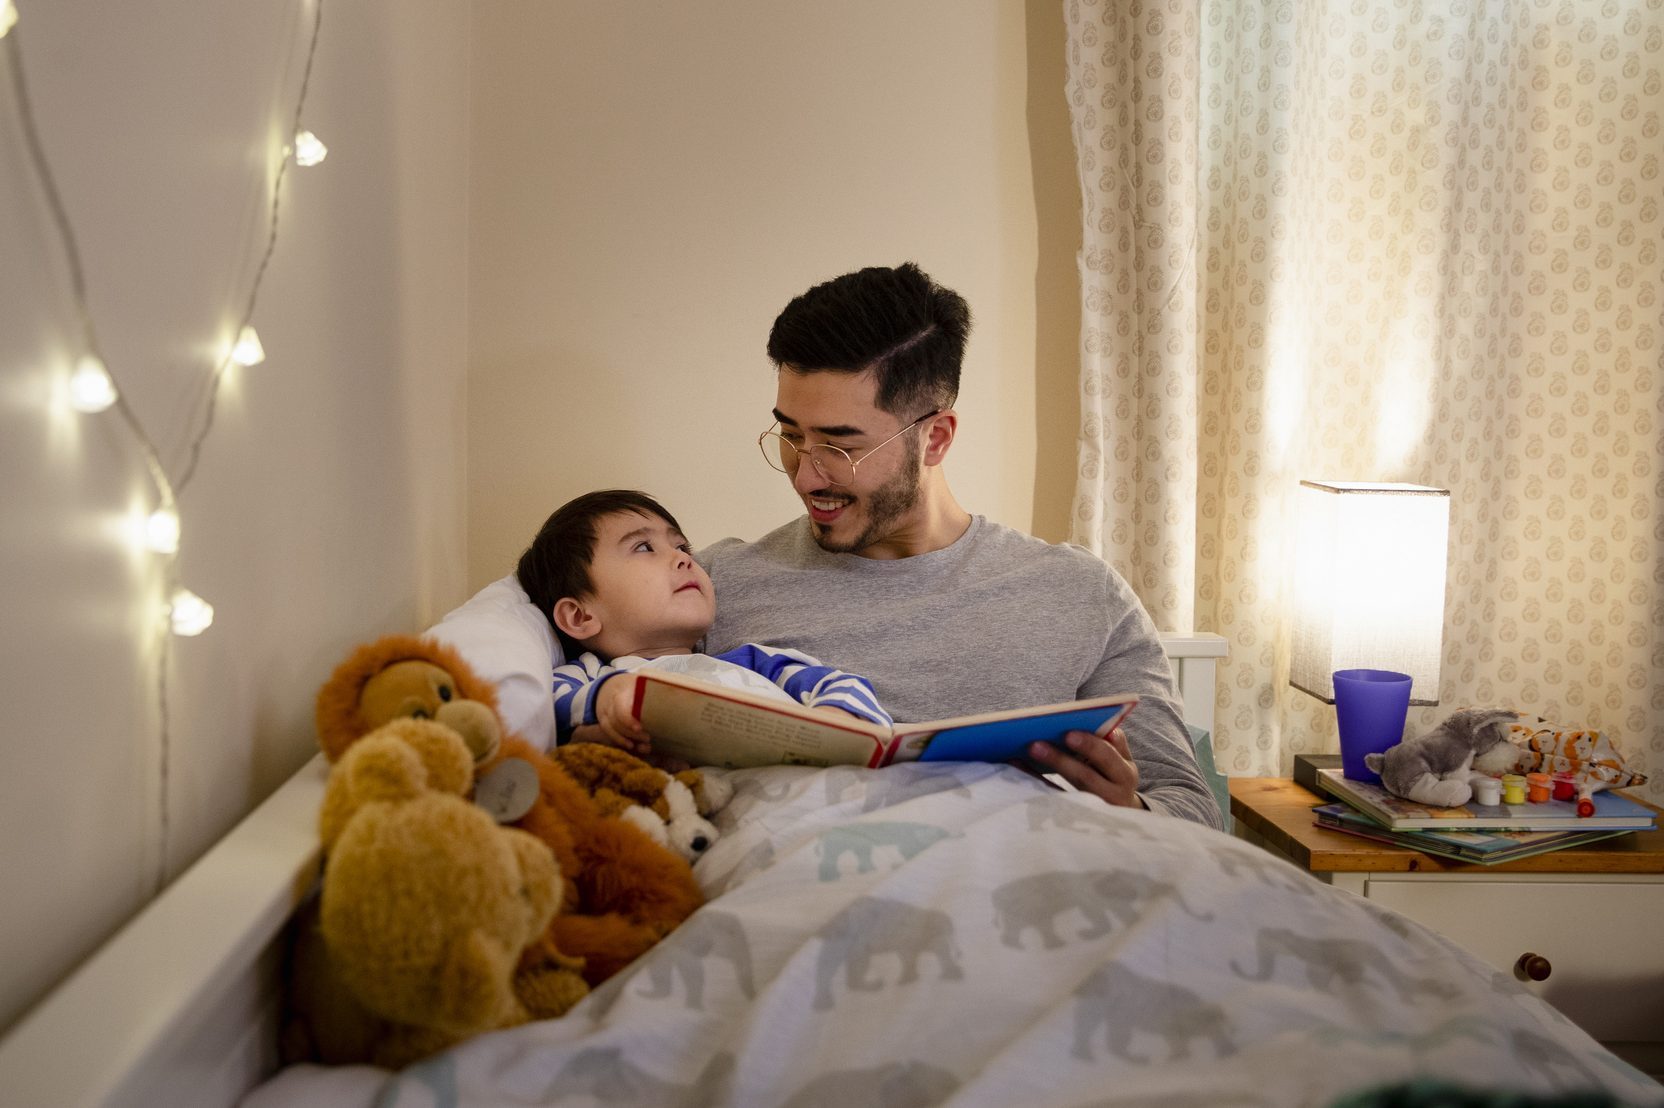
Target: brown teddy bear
x=672 y=808
x=426 y=911
x=622 y=892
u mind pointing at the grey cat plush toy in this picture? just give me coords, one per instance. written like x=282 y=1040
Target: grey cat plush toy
x=1434 y=768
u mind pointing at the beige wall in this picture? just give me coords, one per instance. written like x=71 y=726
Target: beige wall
x=328 y=503
x=596 y=209
x=652 y=182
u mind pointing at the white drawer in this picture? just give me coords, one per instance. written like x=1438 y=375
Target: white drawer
x=1604 y=939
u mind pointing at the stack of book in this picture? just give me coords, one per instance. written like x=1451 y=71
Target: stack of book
x=1481 y=833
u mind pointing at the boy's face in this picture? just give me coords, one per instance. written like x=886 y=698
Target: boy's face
x=650 y=596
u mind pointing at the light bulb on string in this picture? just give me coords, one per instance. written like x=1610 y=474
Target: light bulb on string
x=247 y=350
x=309 y=149
x=8 y=16
x=91 y=389
x=161 y=531
x=189 y=613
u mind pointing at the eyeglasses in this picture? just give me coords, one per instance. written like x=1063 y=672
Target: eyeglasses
x=835 y=465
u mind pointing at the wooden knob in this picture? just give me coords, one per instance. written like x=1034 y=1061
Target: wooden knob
x=1533 y=966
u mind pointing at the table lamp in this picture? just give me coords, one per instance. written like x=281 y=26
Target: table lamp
x=1369 y=603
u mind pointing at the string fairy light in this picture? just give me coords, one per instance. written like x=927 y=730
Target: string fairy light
x=93 y=387
x=309 y=149
x=161 y=531
x=188 y=613
x=247 y=351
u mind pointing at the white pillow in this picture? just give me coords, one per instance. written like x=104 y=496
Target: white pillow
x=510 y=643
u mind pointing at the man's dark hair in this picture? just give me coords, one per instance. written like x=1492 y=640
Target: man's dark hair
x=900 y=324
x=556 y=564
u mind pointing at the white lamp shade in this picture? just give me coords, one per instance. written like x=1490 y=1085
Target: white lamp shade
x=1369 y=584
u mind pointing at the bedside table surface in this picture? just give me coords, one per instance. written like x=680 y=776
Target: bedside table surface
x=1281 y=812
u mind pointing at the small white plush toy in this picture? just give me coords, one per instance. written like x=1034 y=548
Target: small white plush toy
x=1434 y=769
x=670 y=808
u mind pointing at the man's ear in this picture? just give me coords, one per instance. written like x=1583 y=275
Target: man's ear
x=939 y=436
x=574 y=620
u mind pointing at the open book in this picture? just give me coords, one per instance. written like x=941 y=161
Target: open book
x=713 y=725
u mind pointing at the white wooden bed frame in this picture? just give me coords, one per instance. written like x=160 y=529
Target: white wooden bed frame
x=181 y=1007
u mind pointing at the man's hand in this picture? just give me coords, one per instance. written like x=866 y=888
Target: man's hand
x=1100 y=766
x=615 y=725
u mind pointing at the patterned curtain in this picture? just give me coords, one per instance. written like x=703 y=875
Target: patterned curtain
x=1392 y=241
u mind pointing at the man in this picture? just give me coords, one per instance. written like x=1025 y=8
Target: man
x=887 y=576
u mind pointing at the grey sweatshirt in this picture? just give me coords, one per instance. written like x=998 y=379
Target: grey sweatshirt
x=997 y=620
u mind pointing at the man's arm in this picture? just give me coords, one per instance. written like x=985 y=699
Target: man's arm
x=1155 y=766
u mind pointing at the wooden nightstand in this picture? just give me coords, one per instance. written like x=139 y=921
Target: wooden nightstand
x=1594 y=913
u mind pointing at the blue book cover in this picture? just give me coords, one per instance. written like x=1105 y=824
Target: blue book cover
x=994 y=739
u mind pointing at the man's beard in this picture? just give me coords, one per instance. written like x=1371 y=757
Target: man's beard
x=884 y=506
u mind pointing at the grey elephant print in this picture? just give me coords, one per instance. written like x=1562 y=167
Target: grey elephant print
x=755 y=860
x=860 y=840
x=607 y=1075
x=872 y=926
x=1269 y=870
x=1354 y=962
x=1038 y=901
x=892 y=1085
x=710 y=936
x=1066 y=815
x=1420 y=1041
x=1126 y=1006
x=841 y=779
x=891 y=786
x=749 y=791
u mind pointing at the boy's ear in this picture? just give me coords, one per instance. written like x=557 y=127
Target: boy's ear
x=574 y=620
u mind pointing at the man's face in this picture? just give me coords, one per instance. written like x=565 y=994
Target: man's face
x=839 y=409
x=648 y=591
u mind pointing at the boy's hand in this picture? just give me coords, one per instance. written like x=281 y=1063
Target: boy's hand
x=617 y=725
x=836 y=711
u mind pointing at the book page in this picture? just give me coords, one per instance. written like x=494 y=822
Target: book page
x=713 y=726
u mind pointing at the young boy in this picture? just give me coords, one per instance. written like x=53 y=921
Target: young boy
x=616 y=576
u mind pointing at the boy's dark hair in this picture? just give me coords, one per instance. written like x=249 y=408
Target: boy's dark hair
x=556 y=564
x=900 y=324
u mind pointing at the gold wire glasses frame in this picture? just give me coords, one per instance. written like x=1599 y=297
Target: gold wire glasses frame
x=835 y=465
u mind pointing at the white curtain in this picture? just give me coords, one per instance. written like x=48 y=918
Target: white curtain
x=1384 y=241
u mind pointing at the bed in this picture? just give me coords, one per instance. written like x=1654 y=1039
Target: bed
x=922 y=934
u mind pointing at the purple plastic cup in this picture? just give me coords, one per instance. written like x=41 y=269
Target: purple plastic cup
x=1371 y=706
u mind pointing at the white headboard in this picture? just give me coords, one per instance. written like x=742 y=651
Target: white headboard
x=183 y=1005
x=1195 y=656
